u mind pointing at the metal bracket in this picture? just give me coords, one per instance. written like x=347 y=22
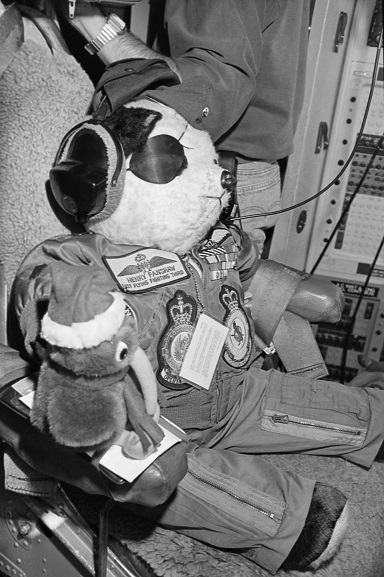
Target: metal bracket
x=270 y=350
x=340 y=30
x=322 y=137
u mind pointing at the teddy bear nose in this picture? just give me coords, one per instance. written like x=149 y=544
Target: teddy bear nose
x=227 y=179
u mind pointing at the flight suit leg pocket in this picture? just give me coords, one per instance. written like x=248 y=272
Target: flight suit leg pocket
x=316 y=410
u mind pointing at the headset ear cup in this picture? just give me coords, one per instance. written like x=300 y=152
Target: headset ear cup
x=87 y=170
x=65 y=140
x=116 y=172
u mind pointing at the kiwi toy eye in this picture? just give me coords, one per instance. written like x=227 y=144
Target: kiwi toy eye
x=121 y=351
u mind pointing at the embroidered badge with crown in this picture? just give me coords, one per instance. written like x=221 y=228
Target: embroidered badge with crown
x=181 y=313
x=238 y=344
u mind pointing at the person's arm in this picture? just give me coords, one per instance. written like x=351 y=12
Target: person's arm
x=218 y=42
x=216 y=48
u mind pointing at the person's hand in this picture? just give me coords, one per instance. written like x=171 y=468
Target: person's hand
x=372 y=376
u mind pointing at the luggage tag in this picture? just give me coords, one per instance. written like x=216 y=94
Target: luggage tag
x=203 y=353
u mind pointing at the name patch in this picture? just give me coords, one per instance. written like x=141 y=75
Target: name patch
x=146 y=269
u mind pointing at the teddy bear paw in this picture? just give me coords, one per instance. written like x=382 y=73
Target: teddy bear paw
x=323 y=531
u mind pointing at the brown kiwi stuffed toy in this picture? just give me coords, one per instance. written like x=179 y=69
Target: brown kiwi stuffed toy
x=95 y=383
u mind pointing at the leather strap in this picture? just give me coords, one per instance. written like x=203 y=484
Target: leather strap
x=11 y=36
x=291 y=334
x=297 y=347
x=272 y=288
x=48 y=29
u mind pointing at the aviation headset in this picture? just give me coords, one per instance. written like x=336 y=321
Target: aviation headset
x=88 y=175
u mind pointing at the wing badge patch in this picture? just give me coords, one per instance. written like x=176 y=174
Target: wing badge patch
x=146 y=269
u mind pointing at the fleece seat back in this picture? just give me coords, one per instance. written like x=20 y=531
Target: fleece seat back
x=43 y=92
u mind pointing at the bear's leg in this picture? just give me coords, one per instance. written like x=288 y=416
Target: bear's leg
x=243 y=502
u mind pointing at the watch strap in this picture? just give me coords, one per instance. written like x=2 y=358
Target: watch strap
x=113 y=27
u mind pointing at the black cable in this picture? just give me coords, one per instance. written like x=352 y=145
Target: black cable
x=348 y=161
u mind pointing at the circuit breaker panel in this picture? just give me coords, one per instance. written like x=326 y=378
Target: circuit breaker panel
x=360 y=330
x=342 y=239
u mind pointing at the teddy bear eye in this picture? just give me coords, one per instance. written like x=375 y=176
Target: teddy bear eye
x=121 y=351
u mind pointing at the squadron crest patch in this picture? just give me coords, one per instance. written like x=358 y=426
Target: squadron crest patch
x=181 y=313
x=238 y=344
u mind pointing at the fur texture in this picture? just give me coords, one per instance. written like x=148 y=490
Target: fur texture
x=323 y=530
x=79 y=397
x=86 y=399
x=42 y=96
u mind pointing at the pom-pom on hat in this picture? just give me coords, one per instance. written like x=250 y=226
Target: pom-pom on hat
x=84 y=307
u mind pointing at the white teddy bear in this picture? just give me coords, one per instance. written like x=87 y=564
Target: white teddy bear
x=149 y=190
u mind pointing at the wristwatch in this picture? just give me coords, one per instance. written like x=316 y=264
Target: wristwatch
x=114 y=26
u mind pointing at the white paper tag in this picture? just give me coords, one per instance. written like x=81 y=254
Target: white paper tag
x=204 y=351
x=26 y=388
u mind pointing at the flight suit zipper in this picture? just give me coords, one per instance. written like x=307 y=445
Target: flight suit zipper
x=313 y=429
x=228 y=493
x=285 y=419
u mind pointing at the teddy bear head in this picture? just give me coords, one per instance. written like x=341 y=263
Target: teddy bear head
x=143 y=176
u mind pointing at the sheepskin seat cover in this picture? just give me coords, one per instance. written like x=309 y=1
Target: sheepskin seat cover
x=42 y=95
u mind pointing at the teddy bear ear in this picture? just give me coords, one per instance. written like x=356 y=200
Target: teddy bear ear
x=132 y=126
